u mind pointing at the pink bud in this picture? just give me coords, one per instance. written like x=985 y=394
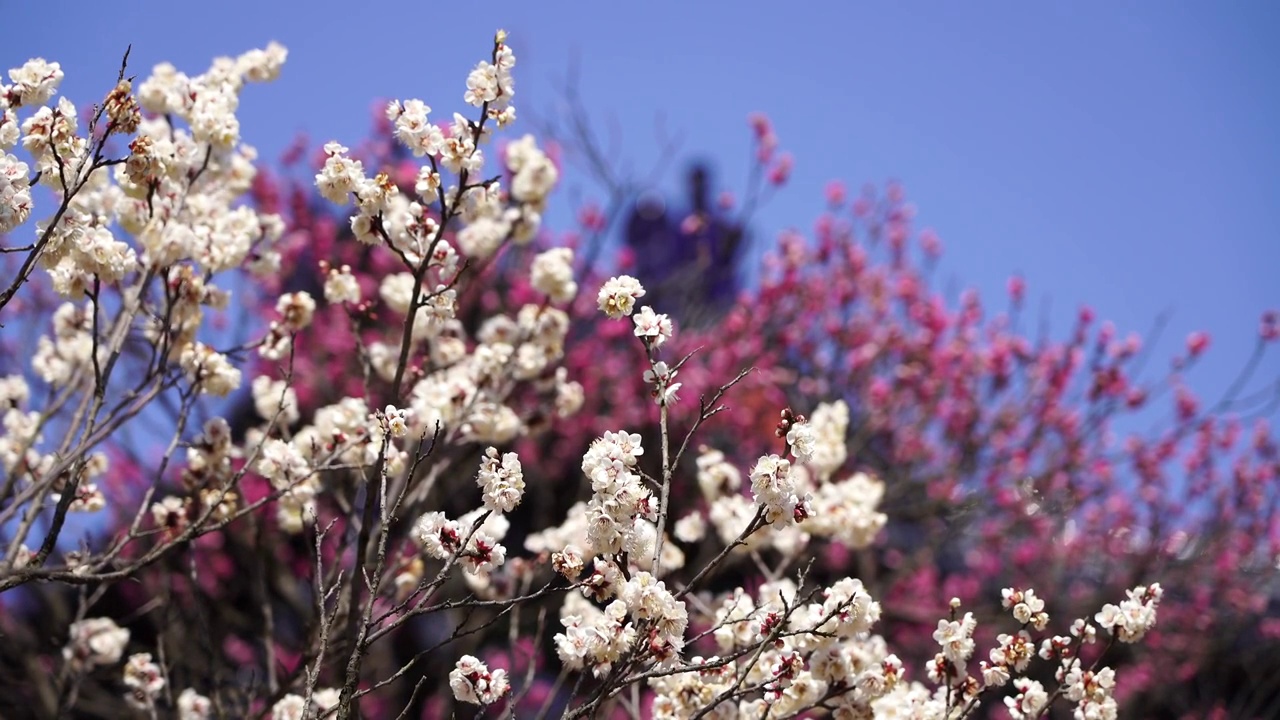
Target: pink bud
x=1269 y=329
x=591 y=218
x=781 y=169
x=760 y=124
x=862 y=207
x=894 y=192
x=1017 y=288
x=930 y=243
x=1197 y=342
x=1136 y=398
x=835 y=193
x=1187 y=404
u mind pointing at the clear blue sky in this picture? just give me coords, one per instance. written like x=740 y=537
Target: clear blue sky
x=1126 y=154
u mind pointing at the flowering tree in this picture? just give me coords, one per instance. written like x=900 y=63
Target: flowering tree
x=998 y=447
x=363 y=542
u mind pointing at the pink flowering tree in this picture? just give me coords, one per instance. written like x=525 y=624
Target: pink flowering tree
x=999 y=455
x=996 y=454
x=476 y=473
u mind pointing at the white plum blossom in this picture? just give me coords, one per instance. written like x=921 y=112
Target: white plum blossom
x=427 y=184
x=340 y=175
x=14 y=391
x=194 y=706
x=340 y=286
x=956 y=638
x=1013 y=652
x=438 y=536
x=482 y=85
x=651 y=327
x=660 y=376
x=1092 y=691
x=144 y=679
x=9 y=131
x=648 y=598
x=397 y=291
x=802 y=441
x=1029 y=701
x=282 y=464
x=33 y=83
x=442 y=538
x=1131 y=619
x=691 y=528
x=502 y=480
x=412 y=128
x=617 y=297
x=95 y=641
x=473 y=682
x=289 y=707
x=619 y=496
x=15 y=193
x=568 y=562
x=209 y=370
x=262 y=65
x=846 y=511
x=296 y=310
x=325 y=699
x=482 y=237
x=534 y=175
x=552 y=274
x=1027 y=608
x=170 y=514
x=774 y=491
x=395 y=417
x=274 y=399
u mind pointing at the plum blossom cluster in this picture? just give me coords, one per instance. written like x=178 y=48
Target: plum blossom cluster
x=144 y=680
x=653 y=328
x=552 y=274
x=1130 y=620
x=292 y=706
x=799 y=501
x=620 y=503
x=473 y=682
x=460 y=390
x=617 y=297
x=775 y=492
x=1090 y=687
x=150 y=194
x=148 y=213
x=789 y=649
x=642 y=620
x=347 y=433
x=95 y=641
x=471 y=540
x=467 y=393
x=502 y=480
x=780 y=655
x=15 y=192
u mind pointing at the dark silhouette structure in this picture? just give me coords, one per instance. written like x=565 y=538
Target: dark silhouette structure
x=687 y=258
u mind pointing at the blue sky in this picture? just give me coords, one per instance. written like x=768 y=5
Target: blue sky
x=1126 y=154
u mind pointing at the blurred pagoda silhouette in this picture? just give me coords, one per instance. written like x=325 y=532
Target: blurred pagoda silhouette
x=686 y=257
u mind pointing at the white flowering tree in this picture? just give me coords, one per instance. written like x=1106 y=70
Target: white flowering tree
x=363 y=560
